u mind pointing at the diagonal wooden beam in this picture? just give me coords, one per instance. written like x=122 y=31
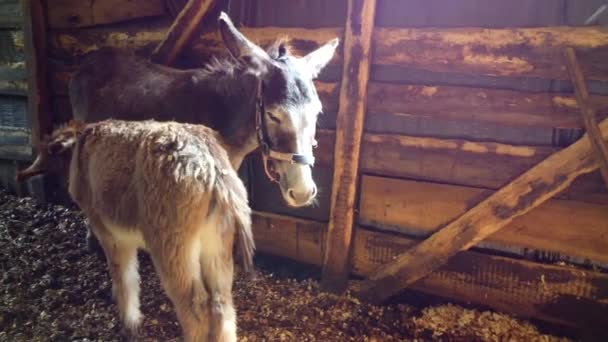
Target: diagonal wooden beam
x=520 y=196
x=588 y=112
x=349 y=130
x=181 y=31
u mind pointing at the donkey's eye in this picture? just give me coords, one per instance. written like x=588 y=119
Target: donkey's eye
x=273 y=117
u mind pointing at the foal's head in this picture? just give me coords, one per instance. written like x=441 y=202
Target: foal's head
x=288 y=117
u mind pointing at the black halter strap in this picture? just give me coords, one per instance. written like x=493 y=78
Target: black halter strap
x=261 y=129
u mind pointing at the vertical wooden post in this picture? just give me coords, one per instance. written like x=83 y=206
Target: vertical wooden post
x=34 y=29
x=587 y=112
x=349 y=131
x=192 y=15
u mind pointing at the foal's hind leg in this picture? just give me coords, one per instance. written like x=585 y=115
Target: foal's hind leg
x=218 y=272
x=122 y=263
x=177 y=263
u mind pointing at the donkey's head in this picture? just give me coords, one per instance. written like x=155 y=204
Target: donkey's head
x=287 y=108
x=54 y=152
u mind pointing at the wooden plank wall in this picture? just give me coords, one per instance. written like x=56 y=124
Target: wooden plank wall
x=463 y=96
x=15 y=143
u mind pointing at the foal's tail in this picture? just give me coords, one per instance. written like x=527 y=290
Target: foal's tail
x=232 y=197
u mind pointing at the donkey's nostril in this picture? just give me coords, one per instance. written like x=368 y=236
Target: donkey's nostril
x=292 y=194
x=314 y=191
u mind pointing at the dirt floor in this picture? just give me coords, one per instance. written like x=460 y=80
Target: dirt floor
x=53 y=289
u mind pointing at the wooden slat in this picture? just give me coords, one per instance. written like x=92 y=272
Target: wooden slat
x=10 y=14
x=349 y=130
x=74 y=44
x=34 y=28
x=70 y=44
x=525 y=193
x=83 y=13
x=15 y=143
x=455 y=161
x=13 y=88
x=503 y=107
x=563 y=228
x=525 y=52
x=479 y=105
x=532 y=52
x=553 y=293
x=194 y=14
x=588 y=113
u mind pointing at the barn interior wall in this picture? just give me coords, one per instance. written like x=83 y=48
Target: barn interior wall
x=440 y=134
x=394 y=107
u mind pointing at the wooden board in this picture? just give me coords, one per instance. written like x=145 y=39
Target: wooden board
x=461 y=162
x=35 y=35
x=140 y=38
x=83 y=13
x=349 y=130
x=15 y=143
x=526 y=52
x=503 y=107
x=196 y=14
x=10 y=14
x=563 y=228
x=520 y=196
x=13 y=111
x=469 y=13
x=293 y=13
x=553 y=293
x=530 y=52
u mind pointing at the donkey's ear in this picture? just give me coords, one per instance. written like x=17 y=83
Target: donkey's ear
x=59 y=146
x=319 y=58
x=242 y=48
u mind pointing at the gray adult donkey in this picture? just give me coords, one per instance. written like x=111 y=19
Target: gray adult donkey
x=254 y=98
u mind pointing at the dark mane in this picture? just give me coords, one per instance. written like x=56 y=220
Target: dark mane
x=226 y=65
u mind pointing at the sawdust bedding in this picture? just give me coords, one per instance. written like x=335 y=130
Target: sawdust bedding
x=53 y=289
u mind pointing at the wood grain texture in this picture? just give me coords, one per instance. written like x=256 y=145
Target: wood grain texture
x=10 y=14
x=588 y=114
x=524 y=52
x=503 y=107
x=456 y=161
x=193 y=15
x=34 y=29
x=557 y=227
x=349 y=130
x=525 y=193
x=531 y=52
x=85 y=13
x=552 y=293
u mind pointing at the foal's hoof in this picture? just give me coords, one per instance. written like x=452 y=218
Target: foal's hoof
x=129 y=334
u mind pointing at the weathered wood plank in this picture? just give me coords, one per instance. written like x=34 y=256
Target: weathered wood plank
x=525 y=193
x=531 y=52
x=524 y=52
x=139 y=38
x=553 y=293
x=83 y=13
x=194 y=14
x=469 y=13
x=349 y=130
x=14 y=135
x=504 y=107
x=36 y=65
x=13 y=87
x=571 y=229
x=454 y=161
x=588 y=114
x=10 y=14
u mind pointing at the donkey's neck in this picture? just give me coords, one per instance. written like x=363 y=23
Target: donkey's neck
x=233 y=110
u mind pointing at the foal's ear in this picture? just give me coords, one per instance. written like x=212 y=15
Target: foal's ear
x=318 y=59
x=242 y=48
